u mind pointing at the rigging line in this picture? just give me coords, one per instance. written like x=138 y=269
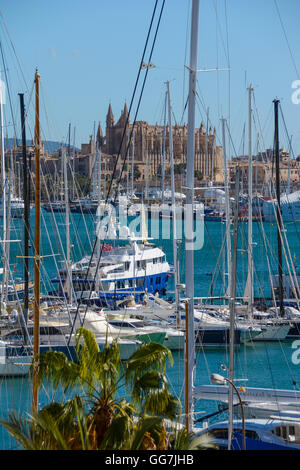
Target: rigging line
x=125 y=128
x=217 y=264
x=228 y=63
x=286 y=38
x=131 y=103
x=14 y=50
x=61 y=247
x=286 y=130
x=217 y=60
x=219 y=26
x=8 y=89
x=230 y=138
x=201 y=99
x=185 y=58
x=78 y=239
x=292 y=264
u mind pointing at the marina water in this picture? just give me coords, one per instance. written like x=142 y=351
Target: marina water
x=273 y=364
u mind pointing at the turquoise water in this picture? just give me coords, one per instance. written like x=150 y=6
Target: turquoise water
x=262 y=364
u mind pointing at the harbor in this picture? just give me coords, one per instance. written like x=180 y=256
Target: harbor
x=149 y=288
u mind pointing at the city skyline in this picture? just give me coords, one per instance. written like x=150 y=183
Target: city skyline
x=88 y=55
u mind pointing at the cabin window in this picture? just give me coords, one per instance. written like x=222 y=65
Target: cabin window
x=158 y=280
x=284 y=433
x=127 y=265
x=131 y=282
x=219 y=433
x=248 y=433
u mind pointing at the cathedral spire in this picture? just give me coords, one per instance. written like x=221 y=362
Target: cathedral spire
x=109 y=117
x=125 y=111
x=99 y=137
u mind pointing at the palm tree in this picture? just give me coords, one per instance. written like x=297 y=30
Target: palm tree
x=123 y=407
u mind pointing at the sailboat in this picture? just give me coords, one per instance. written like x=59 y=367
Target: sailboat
x=269 y=418
x=125 y=270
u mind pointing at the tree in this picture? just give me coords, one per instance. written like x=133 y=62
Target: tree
x=199 y=175
x=136 y=172
x=82 y=183
x=103 y=418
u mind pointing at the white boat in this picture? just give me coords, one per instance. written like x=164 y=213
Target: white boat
x=289 y=207
x=118 y=326
x=276 y=433
x=210 y=330
x=54 y=335
x=16 y=206
x=14 y=360
x=125 y=270
x=271 y=418
x=128 y=320
x=272 y=328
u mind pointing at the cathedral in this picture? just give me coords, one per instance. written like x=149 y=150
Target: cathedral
x=148 y=141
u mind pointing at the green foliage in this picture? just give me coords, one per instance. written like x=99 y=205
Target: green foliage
x=82 y=183
x=136 y=172
x=100 y=417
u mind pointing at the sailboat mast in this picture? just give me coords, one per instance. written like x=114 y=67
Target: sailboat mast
x=232 y=308
x=4 y=197
x=163 y=162
x=67 y=209
x=132 y=165
x=26 y=210
x=250 y=221
x=189 y=216
x=173 y=200
x=278 y=213
x=36 y=247
x=147 y=172
x=227 y=210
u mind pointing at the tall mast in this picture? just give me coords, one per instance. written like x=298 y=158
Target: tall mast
x=98 y=243
x=26 y=210
x=189 y=219
x=4 y=195
x=249 y=285
x=278 y=214
x=36 y=246
x=8 y=217
x=163 y=163
x=227 y=210
x=289 y=167
x=173 y=201
x=232 y=308
x=73 y=166
x=147 y=171
x=132 y=164
x=67 y=209
x=206 y=145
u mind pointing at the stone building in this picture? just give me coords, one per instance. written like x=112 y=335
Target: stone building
x=148 y=141
x=263 y=171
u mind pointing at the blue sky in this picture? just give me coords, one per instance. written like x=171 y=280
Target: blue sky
x=88 y=53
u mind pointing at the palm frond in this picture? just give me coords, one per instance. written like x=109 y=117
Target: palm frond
x=150 y=356
x=20 y=429
x=188 y=441
x=118 y=434
x=56 y=368
x=145 y=425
